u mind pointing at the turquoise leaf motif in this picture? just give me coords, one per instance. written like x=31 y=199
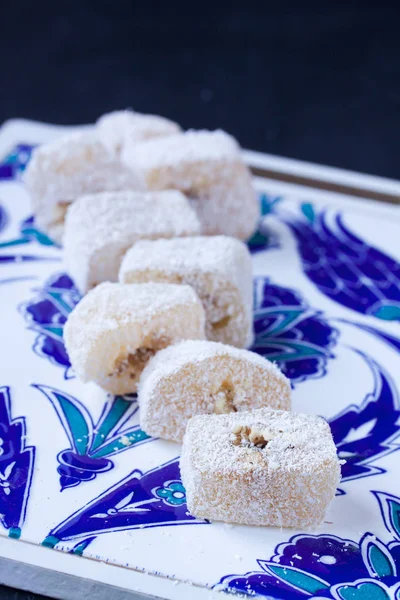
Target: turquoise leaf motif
x=34 y=234
x=62 y=299
x=79 y=422
x=364 y=590
x=50 y=330
x=80 y=547
x=308 y=211
x=327 y=566
x=285 y=317
x=121 y=443
x=378 y=560
x=261 y=238
x=282 y=319
x=289 y=331
x=15 y=242
x=290 y=350
x=300 y=580
x=258 y=239
x=28 y=233
x=388 y=312
x=390 y=508
x=268 y=203
x=91 y=444
x=111 y=419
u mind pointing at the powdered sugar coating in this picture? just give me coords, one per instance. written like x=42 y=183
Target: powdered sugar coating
x=207 y=167
x=199 y=377
x=290 y=482
x=219 y=268
x=114 y=329
x=119 y=127
x=99 y=228
x=61 y=171
x=190 y=147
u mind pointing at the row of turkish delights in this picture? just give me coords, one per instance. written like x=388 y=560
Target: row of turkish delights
x=131 y=151
x=153 y=222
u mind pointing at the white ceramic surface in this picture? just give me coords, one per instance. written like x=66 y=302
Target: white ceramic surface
x=327 y=308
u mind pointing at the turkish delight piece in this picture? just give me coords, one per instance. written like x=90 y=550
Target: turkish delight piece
x=201 y=377
x=264 y=467
x=115 y=329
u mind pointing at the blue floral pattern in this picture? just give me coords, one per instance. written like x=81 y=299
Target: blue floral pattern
x=15 y=162
x=16 y=467
x=172 y=492
x=264 y=238
x=291 y=333
x=91 y=444
x=344 y=267
x=306 y=343
x=131 y=504
x=28 y=234
x=11 y=168
x=364 y=433
x=301 y=339
x=287 y=329
x=46 y=316
x=327 y=566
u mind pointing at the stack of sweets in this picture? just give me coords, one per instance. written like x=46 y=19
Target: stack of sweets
x=121 y=127
x=218 y=268
x=62 y=171
x=206 y=166
x=159 y=210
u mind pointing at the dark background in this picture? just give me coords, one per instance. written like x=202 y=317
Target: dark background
x=313 y=81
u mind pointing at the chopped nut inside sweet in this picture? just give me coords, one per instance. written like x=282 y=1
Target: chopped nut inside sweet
x=254 y=436
x=134 y=363
x=219 y=314
x=224 y=401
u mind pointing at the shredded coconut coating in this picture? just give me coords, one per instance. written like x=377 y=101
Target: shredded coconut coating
x=287 y=481
x=61 y=171
x=219 y=268
x=114 y=330
x=200 y=377
x=117 y=128
x=100 y=228
x=208 y=168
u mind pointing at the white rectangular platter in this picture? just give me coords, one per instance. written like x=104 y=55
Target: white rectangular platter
x=80 y=480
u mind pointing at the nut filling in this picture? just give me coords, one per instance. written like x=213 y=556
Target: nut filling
x=217 y=312
x=224 y=401
x=133 y=363
x=221 y=323
x=60 y=211
x=251 y=437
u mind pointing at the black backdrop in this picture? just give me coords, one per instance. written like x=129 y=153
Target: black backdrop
x=313 y=81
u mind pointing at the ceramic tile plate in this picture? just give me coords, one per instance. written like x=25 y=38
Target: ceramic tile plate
x=80 y=480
